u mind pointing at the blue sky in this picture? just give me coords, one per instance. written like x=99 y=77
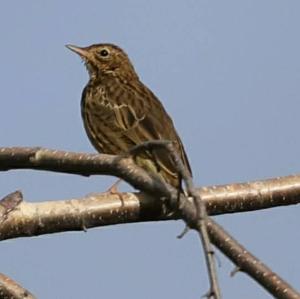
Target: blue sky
x=227 y=71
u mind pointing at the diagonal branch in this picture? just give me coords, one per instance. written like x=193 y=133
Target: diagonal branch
x=228 y=198
x=81 y=164
x=249 y=264
x=96 y=210
x=202 y=217
x=200 y=208
x=9 y=289
x=284 y=191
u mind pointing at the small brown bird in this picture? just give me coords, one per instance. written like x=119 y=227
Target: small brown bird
x=119 y=111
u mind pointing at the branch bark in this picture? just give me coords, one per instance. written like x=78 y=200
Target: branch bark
x=9 y=289
x=220 y=199
x=199 y=205
x=230 y=198
x=101 y=209
x=248 y=263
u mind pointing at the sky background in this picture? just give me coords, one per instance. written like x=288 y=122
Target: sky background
x=227 y=71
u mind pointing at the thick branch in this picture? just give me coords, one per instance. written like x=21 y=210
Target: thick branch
x=80 y=163
x=94 y=210
x=30 y=219
x=229 y=198
x=234 y=197
x=66 y=215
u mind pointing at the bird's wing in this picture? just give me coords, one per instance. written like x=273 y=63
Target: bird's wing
x=141 y=117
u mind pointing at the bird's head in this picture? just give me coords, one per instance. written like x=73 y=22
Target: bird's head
x=104 y=59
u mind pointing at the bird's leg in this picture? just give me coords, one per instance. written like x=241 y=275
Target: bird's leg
x=114 y=190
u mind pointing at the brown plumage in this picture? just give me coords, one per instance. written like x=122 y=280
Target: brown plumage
x=119 y=111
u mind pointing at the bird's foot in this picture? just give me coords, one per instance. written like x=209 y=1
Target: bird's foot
x=113 y=190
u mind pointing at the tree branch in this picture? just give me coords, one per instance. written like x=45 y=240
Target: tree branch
x=249 y=264
x=199 y=205
x=9 y=289
x=230 y=198
x=223 y=199
x=101 y=209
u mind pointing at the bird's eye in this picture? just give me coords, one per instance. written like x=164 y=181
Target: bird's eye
x=104 y=53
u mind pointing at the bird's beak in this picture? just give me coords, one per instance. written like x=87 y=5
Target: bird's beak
x=82 y=52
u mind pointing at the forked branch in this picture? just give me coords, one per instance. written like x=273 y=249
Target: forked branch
x=220 y=199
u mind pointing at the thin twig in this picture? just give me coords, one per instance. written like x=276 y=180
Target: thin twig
x=202 y=224
x=200 y=209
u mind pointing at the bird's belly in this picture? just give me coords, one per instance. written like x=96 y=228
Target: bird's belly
x=101 y=128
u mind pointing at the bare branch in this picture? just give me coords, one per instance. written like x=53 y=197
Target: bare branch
x=9 y=289
x=94 y=210
x=202 y=216
x=231 y=198
x=249 y=264
x=200 y=209
x=82 y=164
x=59 y=216
x=105 y=209
x=252 y=196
